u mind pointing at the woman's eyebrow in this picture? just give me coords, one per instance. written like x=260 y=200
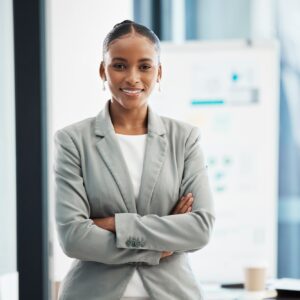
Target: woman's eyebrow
x=119 y=58
x=125 y=60
x=145 y=59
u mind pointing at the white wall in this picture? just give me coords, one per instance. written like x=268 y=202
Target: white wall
x=246 y=203
x=8 y=246
x=75 y=31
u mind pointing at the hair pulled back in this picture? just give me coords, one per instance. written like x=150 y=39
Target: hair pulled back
x=126 y=27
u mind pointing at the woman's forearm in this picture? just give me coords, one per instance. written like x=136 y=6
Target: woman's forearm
x=184 y=205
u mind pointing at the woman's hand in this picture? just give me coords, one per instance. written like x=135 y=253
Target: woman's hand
x=107 y=223
x=165 y=254
x=184 y=205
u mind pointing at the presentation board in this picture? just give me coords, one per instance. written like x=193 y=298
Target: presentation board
x=230 y=91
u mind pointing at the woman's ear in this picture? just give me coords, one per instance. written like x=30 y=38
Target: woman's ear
x=102 y=71
x=159 y=73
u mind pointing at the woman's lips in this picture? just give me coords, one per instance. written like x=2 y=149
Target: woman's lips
x=132 y=92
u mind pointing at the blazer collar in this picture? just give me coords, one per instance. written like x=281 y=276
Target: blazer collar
x=104 y=125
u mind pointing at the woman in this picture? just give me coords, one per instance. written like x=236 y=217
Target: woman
x=118 y=180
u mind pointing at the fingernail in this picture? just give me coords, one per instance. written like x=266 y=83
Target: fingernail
x=189 y=194
x=191 y=200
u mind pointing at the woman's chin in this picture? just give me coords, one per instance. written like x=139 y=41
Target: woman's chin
x=131 y=103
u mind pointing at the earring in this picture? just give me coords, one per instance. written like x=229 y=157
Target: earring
x=159 y=89
x=103 y=85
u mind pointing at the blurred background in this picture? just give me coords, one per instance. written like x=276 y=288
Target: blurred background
x=234 y=68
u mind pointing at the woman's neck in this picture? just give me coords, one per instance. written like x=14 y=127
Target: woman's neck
x=125 y=121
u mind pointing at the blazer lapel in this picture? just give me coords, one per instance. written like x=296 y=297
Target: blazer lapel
x=155 y=154
x=110 y=151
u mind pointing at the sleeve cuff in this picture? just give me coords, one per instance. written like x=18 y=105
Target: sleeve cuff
x=126 y=238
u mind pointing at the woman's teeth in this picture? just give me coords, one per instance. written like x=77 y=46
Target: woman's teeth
x=132 y=92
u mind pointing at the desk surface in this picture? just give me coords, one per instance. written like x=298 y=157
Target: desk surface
x=215 y=292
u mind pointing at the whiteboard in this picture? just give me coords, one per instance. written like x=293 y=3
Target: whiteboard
x=230 y=90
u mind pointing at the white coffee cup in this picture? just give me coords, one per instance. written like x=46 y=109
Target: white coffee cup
x=255 y=278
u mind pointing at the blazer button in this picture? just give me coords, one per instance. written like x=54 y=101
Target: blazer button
x=133 y=242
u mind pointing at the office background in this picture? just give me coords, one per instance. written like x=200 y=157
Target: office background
x=74 y=31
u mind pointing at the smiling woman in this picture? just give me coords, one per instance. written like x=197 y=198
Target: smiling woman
x=132 y=191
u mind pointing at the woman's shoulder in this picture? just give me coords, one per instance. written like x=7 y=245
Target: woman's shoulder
x=78 y=129
x=179 y=128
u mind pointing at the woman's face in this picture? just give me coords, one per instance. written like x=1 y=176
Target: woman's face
x=131 y=68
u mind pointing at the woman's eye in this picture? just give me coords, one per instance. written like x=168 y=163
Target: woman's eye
x=119 y=66
x=145 y=67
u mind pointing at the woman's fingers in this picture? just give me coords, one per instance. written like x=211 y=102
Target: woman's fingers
x=187 y=205
x=183 y=205
x=166 y=254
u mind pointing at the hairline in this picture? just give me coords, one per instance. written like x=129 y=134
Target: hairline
x=133 y=31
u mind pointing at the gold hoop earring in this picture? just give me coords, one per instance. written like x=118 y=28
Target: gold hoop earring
x=103 y=85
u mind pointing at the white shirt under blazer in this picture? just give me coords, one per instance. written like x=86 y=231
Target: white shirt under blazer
x=133 y=150
x=93 y=181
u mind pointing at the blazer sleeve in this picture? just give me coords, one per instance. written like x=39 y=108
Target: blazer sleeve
x=181 y=232
x=79 y=237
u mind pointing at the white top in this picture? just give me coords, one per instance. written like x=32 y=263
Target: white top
x=133 y=149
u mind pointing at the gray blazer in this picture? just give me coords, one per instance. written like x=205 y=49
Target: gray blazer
x=92 y=181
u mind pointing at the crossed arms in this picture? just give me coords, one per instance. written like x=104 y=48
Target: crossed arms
x=104 y=240
x=184 y=205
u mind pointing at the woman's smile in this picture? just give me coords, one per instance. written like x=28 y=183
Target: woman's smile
x=132 y=92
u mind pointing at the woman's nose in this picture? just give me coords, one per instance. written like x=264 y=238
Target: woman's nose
x=133 y=77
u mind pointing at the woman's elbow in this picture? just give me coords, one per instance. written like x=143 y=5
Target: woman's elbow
x=68 y=240
x=207 y=221
x=68 y=247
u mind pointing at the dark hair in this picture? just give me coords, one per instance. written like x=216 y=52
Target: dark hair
x=129 y=26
